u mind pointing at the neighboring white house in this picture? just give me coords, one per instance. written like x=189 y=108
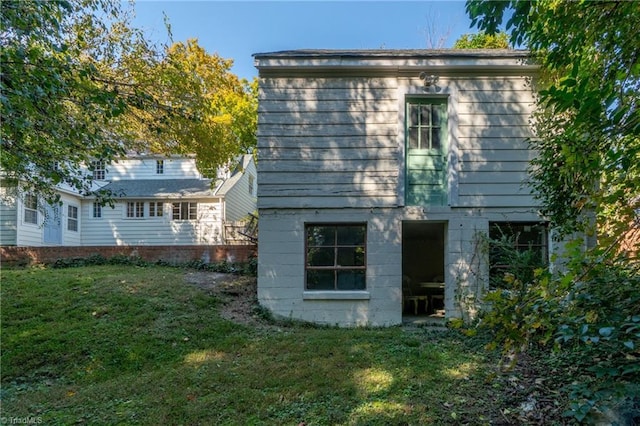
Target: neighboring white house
x=158 y=200
x=381 y=170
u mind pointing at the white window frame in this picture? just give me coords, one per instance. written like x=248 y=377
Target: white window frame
x=156 y=209
x=184 y=210
x=99 y=170
x=159 y=167
x=97 y=210
x=30 y=209
x=251 y=181
x=72 y=218
x=134 y=210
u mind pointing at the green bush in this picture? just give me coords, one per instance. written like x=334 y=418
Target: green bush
x=585 y=321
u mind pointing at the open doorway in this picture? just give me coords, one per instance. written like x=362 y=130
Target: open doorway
x=423 y=250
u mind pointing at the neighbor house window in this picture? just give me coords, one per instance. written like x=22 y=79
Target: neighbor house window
x=159 y=167
x=251 y=184
x=155 y=209
x=135 y=209
x=426 y=151
x=185 y=211
x=31 y=209
x=335 y=257
x=518 y=248
x=97 y=210
x=72 y=218
x=98 y=170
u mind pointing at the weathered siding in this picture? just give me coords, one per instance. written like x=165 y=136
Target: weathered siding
x=239 y=202
x=114 y=228
x=493 y=126
x=328 y=142
x=338 y=142
x=8 y=218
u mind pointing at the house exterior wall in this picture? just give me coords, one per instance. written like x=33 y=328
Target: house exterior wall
x=145 y=168
x=114 y=228
x=331 y=149
x=8 y=218
x=238 y=200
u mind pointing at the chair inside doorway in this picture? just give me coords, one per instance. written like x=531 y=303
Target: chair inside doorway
x=423 y=248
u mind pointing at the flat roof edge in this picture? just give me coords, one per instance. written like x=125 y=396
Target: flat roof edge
x=395 y=53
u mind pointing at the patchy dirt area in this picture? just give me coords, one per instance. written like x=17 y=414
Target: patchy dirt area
x=238 y=294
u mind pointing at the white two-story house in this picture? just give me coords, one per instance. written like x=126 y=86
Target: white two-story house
x=157 y=200
x=381 y=171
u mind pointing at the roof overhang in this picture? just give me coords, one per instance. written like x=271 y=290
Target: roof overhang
x=394 y=62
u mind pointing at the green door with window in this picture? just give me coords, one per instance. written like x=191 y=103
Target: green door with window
x=426 y=152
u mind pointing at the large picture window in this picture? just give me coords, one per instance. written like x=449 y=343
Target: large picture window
x=336 y=257
x=517 y=247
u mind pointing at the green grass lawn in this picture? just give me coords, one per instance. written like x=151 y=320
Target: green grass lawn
x=138 y=345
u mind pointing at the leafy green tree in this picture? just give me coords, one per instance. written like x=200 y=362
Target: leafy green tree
x=482 y=41
x=587 y=124
x=79 y=83
x=587 y=127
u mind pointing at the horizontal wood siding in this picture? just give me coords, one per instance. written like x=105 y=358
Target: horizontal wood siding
x=238 y=201
x=113 y=228
x=328 y=142
x=70 y=238
x=8 y=218
x=493 y=126
x=145 y=168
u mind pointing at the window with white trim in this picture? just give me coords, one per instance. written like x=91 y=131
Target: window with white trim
x=99 y=170
x=72 y=218
x=185 y=211
x=251 y=180
x=159 y=167
x=156 y=209
x=97 y=210
x=31 y=209
x=335 y=256
x=135 y=209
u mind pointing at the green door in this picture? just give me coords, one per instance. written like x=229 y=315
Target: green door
x=426 y=152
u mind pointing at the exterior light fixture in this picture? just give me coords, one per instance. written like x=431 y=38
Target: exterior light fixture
x=428 y=79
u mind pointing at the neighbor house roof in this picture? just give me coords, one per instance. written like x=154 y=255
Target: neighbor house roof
x=235 y=176
x=161 y=188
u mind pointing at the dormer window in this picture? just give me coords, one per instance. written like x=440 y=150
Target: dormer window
x=98 y=169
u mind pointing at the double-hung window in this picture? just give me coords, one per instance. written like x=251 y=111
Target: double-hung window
x=31 y=209
x=97 y=210
x=72 y=218
x=185 y=211
x=159 y=167
x=135 y=209
x=335 y=257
